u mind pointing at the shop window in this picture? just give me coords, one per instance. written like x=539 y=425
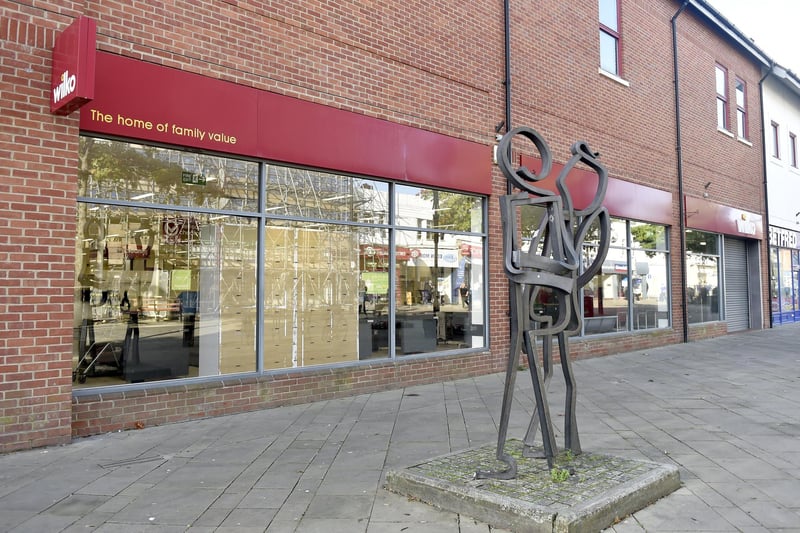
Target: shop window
x=313 y=277
x=786 y=302
x=610 y=37
x=631 y=291
x=438 y=299
x=163 y=294
x=303 y=193
x=702 y=276
x=168 y=286
x=114 y=171
x=774 y=279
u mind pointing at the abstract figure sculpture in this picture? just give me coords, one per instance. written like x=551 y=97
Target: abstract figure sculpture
x=548 y=262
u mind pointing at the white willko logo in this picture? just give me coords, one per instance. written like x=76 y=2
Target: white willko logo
x=65 y=88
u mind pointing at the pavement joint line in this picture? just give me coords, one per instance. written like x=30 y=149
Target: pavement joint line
x=134 y=461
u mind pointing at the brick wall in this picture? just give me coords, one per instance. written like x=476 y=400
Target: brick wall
x=436 y=65
x=131 y=410
x=37 y=236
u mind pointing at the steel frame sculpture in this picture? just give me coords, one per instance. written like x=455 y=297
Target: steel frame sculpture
x=550 y=261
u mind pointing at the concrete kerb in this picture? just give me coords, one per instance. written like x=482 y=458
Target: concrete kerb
x=601 y=491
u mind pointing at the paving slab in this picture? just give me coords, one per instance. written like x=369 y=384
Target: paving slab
x=599 y=490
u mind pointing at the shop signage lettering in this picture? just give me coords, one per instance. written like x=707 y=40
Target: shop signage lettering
x=192 y=178
x=66 y=87
x=72 y=75
x=141 y=100
x=783 y=238
x=161 y=127
x=746 y=227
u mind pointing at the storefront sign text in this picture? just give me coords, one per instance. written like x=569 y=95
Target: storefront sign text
x=73 y=72
x=134 y=123
x=782 y=237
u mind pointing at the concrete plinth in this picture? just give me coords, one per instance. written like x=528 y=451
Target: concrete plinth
x=599 y=490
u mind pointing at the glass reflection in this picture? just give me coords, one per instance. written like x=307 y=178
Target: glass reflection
x=116 y=170
x=434 y=209
x=702 y=276
x=318 y=300
x=162 y=294
x=650 y=295
x=628 y=294
x=438 y=300
x=307 y=193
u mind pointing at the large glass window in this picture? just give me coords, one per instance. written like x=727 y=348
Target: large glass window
x=788 y=264
x=702 y=276
x=171 y=247
x=439 y=294
x=631 y=291
x=163 y=294
x=785 y=264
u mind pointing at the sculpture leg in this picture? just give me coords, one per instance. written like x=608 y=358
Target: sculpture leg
x=542 y=407
x=547 y=365
x=572 y=441
x=508 y=393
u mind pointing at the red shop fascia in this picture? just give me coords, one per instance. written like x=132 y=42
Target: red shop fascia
x=143 y=101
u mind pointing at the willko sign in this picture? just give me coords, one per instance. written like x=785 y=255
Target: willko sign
x=72 y=78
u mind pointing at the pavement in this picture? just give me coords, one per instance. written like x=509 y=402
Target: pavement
x=726 y=411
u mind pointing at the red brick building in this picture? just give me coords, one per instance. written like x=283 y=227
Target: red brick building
x=257 y=205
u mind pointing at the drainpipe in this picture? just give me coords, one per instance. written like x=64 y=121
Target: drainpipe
x=679 y=153
x=507 y=87
x=766 y=188
x=507 y=79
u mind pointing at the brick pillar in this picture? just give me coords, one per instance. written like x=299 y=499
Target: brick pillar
x=38 y=184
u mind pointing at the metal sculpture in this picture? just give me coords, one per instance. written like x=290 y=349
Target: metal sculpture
x=549 y=261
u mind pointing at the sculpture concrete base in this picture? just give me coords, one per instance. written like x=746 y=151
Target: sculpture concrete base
x=588 y=492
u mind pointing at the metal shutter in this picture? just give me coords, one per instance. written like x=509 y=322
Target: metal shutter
x=737 y=306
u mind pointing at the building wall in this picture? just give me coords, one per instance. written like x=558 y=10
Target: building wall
x=631 y=120
x=37 y=199
x=781 y=106
x=720 y=166
x=435 y=65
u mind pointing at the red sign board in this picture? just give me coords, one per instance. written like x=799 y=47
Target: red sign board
x=623 y=199
x=709 y=216
x=140 y=100
x=72 y=77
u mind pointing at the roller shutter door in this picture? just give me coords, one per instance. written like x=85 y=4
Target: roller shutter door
x=737 y=306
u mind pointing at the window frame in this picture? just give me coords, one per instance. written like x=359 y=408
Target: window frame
x=709 y=250
x=628 y=247
x=776 y=139
x=722 y=97
x=741 y=110
x=615 y=34
x=267 y=209
x=793 y=150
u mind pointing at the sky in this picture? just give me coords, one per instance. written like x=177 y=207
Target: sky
x=774 y=26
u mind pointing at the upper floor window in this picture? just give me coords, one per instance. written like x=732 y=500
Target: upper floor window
x=793 y=149
x=776 y=140
x=722 y=97
x=610 y=36
x=741 y=109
